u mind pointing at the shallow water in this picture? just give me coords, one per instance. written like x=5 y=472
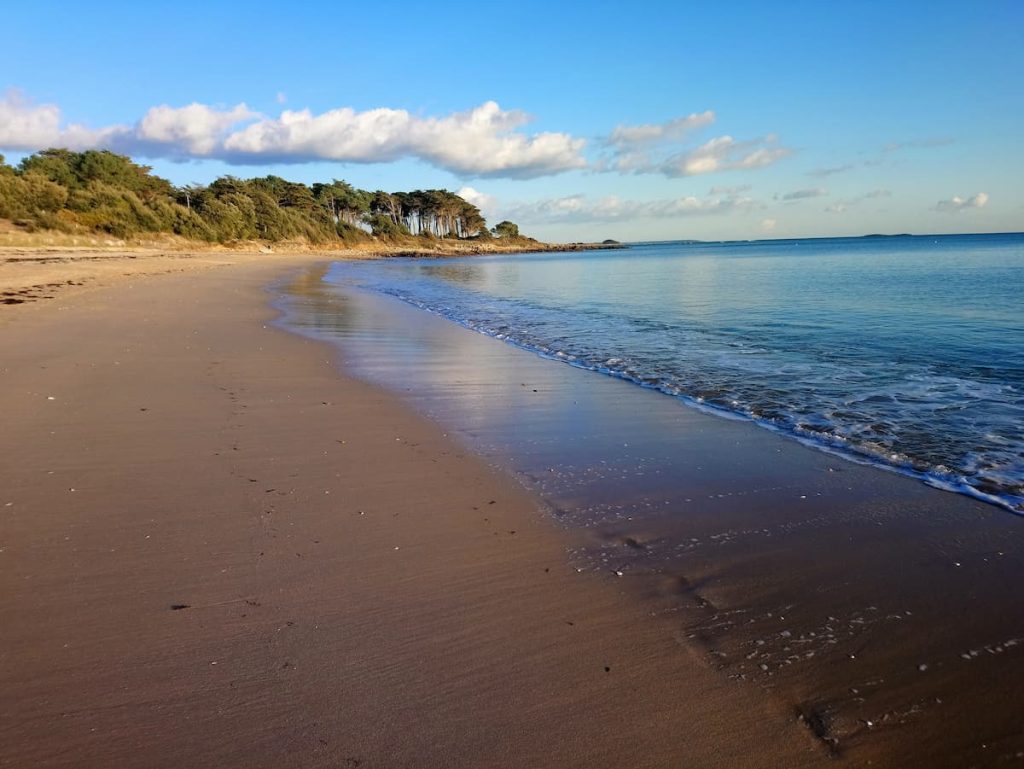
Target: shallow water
x=904 y=351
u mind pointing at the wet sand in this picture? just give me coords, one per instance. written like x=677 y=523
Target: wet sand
x=216 y=550
x=882 y=613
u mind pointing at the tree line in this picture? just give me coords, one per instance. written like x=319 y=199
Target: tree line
x=101 y=191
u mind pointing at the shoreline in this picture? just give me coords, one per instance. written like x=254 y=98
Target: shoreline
x=211 y=531
x=836 y=588
x=948 y=482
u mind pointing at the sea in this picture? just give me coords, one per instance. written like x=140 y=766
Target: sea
x=905 y=352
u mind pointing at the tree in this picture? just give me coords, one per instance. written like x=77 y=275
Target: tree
x=342 y=201
x=57 y=165
x=383 y=226
x=102 y=191
x=385 y=215
x=506 y=229
x=472 y=222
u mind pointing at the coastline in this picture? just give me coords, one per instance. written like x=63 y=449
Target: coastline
x=837 y=589
x=211 y=532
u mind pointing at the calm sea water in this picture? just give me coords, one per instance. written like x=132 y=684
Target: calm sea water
x=903 y=351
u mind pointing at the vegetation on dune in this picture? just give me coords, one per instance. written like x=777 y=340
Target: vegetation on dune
x=100 y=191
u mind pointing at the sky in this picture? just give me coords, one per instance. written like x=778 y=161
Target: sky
x=633 y=121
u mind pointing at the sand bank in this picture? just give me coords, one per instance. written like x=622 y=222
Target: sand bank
x=217 y=551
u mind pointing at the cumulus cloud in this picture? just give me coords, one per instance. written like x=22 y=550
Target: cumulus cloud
x=483 y=201
x=23 y=125
x=194 y=130
x=27 y=126
x=579 y=208
x=484 y=141
x=957 y=203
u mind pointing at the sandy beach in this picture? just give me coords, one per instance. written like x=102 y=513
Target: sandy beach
x=479 y=387
x=219 y=550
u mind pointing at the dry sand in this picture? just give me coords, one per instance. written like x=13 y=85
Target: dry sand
x=215 y=550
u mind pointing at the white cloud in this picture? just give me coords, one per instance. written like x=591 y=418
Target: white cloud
x=958 y=203
x=486 y=203
x=657 y=148
x=723 y=153
x=626 y=136
x=484 y=141
x=579 y=208
x=768 y=225
x=195 y=130
x=281 y=97
x=804 y=194
x=27 y=126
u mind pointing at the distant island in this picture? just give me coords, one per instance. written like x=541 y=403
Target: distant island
x=98 y=192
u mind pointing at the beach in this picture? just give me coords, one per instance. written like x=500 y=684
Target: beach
x=374 y=406
x=218 y=549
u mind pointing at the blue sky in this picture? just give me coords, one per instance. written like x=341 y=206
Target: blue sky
x=806 y=119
